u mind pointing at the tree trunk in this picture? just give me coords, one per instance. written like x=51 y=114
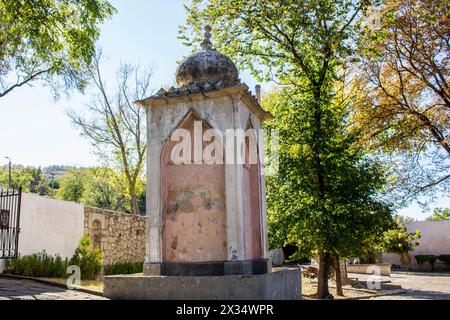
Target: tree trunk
x=337 y=269
x=344 y=275
x=324 y=267
x=134 y=202
x=405 y=259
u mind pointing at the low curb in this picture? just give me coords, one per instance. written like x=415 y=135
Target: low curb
x=422 y=273
x=373 y=295
x=51 y=283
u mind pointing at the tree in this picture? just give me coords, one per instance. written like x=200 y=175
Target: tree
x=352 y=185
x=50 y=41
x=107 y=190
x=30 y=179
x=402 y=81
x=398 y=240
x=291 y=42
x=97 y=187
x=72 y=185
x=439 y=214
x=115 y=125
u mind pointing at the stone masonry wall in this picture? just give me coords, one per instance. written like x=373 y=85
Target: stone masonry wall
x=121 y=237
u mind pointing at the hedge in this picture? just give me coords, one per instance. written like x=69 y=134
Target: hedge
x=127 y=267
x=44 y=265
x=431 y=259
x=39 y=265
x=446 y=259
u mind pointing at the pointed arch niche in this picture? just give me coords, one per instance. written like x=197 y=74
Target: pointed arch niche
x=193 y=204
x=252 y=194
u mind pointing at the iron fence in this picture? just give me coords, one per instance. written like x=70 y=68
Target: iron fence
x=10 y=201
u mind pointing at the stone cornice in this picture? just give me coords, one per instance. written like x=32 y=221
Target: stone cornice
x=241 y=90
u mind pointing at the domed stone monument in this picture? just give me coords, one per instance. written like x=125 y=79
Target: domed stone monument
x=207 y=229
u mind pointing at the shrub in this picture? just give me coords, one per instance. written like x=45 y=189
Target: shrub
x=446 y=259
x=89 y=259
x=39 y=265
x=45 y=266
x=431 y=259
x=127 y=267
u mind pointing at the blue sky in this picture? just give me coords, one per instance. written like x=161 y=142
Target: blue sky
x=34 y=129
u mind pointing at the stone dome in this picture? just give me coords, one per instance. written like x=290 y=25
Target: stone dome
x=206 y=65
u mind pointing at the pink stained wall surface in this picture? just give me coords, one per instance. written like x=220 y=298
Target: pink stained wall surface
x=252 y=208
x=193 y=208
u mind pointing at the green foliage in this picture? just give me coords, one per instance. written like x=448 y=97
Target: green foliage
x=351 y=215
x=106 y=189
x=439 y=214
x=96 y=187
x=127 y=267
x=39 y=265
x=53 y=41
x=30 y=179
x=431 y=259
x=277 y=39
x=71 y=185
x=89 y=259
x=398 y=240
x=43 y=265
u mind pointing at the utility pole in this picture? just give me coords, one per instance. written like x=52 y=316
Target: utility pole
x=52 y=175
x=9 y=176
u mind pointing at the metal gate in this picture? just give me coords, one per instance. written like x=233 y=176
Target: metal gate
x=10 y=201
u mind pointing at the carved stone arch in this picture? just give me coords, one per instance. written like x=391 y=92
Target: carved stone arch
x=193 y=204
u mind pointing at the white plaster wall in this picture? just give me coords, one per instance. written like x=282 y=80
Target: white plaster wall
x=53 y=225
x=435 y=240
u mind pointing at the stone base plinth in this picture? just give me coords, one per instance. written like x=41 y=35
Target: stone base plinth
x=211 y=268
x=281 y=284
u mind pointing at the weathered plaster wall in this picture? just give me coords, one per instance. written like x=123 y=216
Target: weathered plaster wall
x=121 y=237
x=193 y=200
x=162 y=121
x=252 y=210
x=435 y=240
x=223 y=109
x=52 y=225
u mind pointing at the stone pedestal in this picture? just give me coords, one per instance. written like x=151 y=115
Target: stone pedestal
x=206 y=201
x=282 y=284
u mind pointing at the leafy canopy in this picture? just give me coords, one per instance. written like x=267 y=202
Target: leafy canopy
x=277 y=39
x=49 y=40
x=439 y=214
x=399 y=240
x=402 y=104
x=353 y=213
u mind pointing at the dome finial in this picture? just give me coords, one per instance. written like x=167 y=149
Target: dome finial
x=207 y=44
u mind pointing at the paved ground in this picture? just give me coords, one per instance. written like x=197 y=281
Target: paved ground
x=430 y=286
x=417 y=286
x=14 y=289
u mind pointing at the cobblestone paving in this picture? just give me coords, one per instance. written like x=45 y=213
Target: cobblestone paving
x=15 y=289
x=420 y=287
